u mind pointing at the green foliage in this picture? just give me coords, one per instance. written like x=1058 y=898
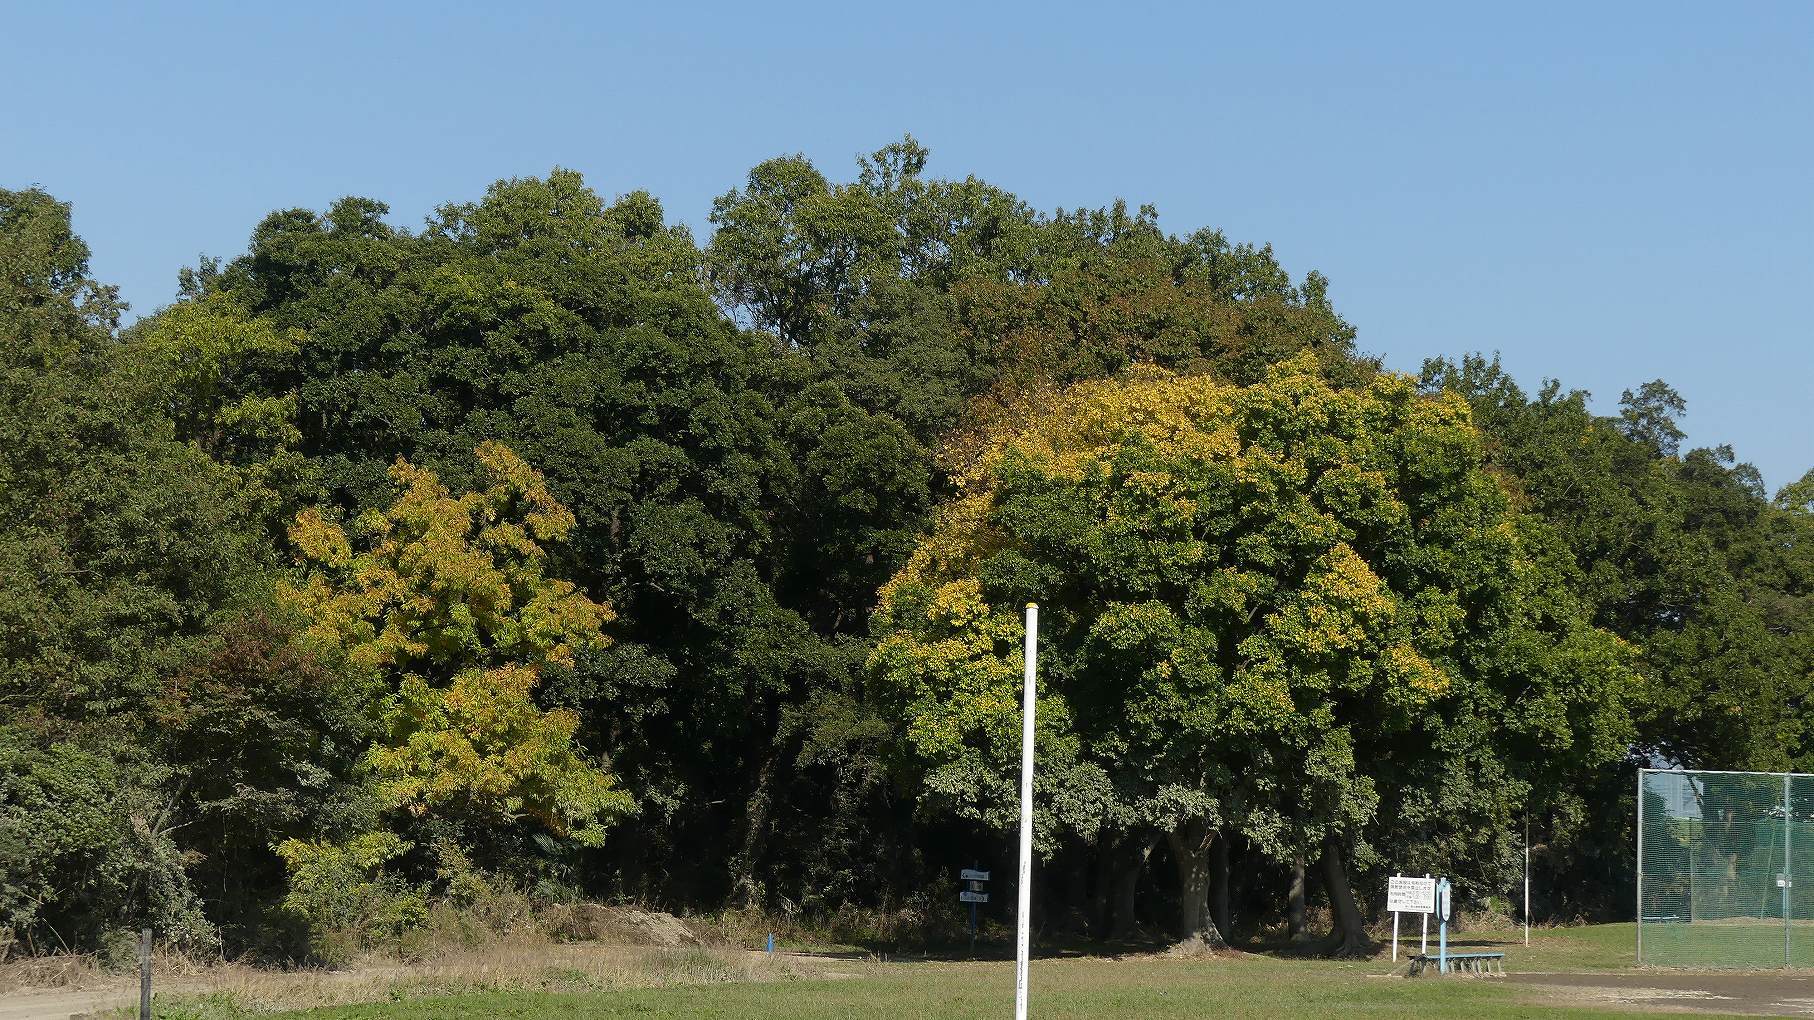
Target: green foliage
x=446 y=601
x=1291 y=603
x=1268 y=609
x=104 y=584
x=1681 y=555
x=87 y=845
x=918 y=295
x=342 y=896
x=124 y=553
x=575 y=332
x=1798 y=496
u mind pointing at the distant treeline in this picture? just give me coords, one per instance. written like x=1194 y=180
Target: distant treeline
x=542 y=548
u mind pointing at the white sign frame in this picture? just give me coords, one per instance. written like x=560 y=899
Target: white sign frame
x=1407 y=894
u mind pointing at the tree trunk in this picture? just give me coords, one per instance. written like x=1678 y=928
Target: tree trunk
x=1124 y=864
x=1350 y=935
x=746 y=889
x=1075 y=918
x=1295 y=926
x=1101 y=904
x=1190 y=845
x=1218 y=885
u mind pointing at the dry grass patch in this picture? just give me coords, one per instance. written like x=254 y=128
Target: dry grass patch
x=517 y=965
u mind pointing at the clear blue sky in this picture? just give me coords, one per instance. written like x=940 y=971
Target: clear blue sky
x=1606 y=193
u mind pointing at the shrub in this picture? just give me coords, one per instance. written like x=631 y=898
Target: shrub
x=84 y=852
x=342 y=898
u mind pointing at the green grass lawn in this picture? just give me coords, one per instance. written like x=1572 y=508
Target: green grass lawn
x=1737 y=943
x=1073 y=987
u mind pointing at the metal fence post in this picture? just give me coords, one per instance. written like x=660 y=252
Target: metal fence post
x=145 y=974
x=1640 y=903
x=1788 y=872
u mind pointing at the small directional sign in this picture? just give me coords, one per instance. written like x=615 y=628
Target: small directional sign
x=973 y=875
x=966 y=896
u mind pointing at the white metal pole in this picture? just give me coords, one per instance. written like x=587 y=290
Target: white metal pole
x=1423 y=943
x=1023 y=935
x=1527 y=880
x=1395 y=930
x=1788 y=872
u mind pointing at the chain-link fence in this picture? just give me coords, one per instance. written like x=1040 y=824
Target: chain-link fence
x=1718 y=854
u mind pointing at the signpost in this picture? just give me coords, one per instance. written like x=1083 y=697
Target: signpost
x=1409 y=895
x=1442 y=931
x=975 y=891
x=1024 y=892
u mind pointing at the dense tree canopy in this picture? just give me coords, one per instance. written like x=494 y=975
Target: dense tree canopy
x=540 y=548
x=1268 y=610
x=1681 y=554
x=447 y=606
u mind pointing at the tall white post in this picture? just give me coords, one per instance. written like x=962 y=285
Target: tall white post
x=1023 y=935
x=1395 y=930
x=1527 y=880
x=1423 y=942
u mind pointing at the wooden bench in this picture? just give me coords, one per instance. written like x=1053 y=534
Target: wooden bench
x=1466 y=963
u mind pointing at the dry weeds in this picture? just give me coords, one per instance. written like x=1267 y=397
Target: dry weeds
x=527 y=961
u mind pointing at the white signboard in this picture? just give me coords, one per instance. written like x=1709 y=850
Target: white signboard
x=972 y=875
x=1411 y=895
x=972 y=897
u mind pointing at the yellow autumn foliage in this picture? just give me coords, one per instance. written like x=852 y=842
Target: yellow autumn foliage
x=445 y=598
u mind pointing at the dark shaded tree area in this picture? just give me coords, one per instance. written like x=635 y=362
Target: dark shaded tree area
x=751 y=437
x=1684 y=556
x=157 y=726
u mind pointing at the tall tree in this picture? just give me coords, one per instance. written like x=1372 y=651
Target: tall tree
x=446 y=602
x=577 y=333
x=136 y=635
x=1682 y=556
x=1682 y=553
x=1265 y=610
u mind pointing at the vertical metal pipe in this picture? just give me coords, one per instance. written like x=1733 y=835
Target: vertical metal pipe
x=1023 y=933
x=1640 y=903
x=1788 y=872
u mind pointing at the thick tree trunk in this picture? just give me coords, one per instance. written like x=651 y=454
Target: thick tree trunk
x=1218 y=885
x=1124 y=864
x=1101 y=904
x=746 y=889
x=1349 y=938
x=1190 y=846
x=1295 y=925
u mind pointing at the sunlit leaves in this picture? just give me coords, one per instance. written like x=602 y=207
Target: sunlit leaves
x=447 y=597
x=1316 y=577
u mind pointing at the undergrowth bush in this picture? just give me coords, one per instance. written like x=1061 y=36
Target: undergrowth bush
x=923 y=921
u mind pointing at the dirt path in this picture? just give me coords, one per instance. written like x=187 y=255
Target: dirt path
x=63 y=1003
x=1754 y=994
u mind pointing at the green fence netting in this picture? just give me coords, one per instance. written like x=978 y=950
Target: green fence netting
x=1718 y=858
